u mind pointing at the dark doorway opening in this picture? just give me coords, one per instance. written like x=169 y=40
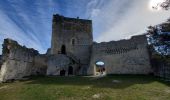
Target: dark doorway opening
x=63 y=49
x=73 y=41
x=62 y=73
x=70 y=70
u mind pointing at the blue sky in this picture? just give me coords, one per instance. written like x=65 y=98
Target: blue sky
x=29 y=21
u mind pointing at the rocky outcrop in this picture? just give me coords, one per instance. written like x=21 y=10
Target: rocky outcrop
x=18 y=61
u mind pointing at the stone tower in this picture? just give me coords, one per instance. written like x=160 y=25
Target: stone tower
x=72 y=37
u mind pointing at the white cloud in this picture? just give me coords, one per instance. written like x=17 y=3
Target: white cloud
x=112 y=19
x=121 y=19
x=29 y=27
x=9 y=29
x=95 y=12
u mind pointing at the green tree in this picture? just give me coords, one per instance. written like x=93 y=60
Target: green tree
x=159 y=38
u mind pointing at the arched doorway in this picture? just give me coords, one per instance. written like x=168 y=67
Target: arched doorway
x=73 y=42
x=70 y=70
x=63 y=49
x=100 y=68
x=62 y=73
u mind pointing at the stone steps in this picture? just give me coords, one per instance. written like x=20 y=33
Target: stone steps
x=70 y=55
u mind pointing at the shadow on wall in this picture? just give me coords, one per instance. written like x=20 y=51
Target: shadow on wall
x=113 y=81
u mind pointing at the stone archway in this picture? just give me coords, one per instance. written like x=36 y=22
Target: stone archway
x=63 y=49
x=100 y=68
x=70 y=70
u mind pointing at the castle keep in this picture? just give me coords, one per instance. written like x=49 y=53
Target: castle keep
x=73 y=52
x=71 y=38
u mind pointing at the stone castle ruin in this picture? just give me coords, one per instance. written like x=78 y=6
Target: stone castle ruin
x=73 y=52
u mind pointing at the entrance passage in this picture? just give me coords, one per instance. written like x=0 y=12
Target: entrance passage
x=70 y=70
x=100 y=68
x=62 y=73
x=63 y=49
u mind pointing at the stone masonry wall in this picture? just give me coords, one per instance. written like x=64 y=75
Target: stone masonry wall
x=122 y=57
x=18 y=61
x=75 y=35
x=56 y=63
x=40 y=64
x=0 y=61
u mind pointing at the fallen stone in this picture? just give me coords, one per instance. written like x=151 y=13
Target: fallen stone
x=96 y=96
x=167 y=90
x=4 y=87
x=87 y=87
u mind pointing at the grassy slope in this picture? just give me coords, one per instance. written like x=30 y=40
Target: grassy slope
x=84 y=88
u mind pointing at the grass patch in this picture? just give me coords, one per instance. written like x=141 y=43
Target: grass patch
x=116 y=87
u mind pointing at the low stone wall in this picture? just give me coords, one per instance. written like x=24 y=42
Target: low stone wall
x=122 y=57
x=18 y=61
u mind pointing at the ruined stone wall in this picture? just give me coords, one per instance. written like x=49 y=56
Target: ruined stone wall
x=40 y=64
x=75 y=35
x=59 y=62
x=0 y=61
x=122 y=57
x=18 y=61
x=56 y=63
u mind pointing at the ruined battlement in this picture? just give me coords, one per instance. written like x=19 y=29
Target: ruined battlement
x=11 y=46
x=121 y=46
x=134 y=40
x=20 y=61
x=72 y=24
x=123 y=56
x=57 y=17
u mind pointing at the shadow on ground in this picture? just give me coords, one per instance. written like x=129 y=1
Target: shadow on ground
x=113 y=81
